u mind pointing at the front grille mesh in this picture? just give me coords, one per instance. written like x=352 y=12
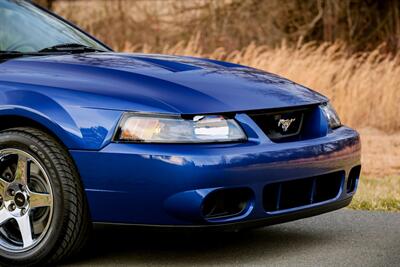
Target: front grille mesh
x=291 y=124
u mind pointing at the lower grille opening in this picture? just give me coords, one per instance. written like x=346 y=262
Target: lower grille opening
x=226 y=203
x=302 y=192
x=353 y=179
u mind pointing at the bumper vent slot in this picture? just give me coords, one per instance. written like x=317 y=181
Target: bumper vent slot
x=302 y=192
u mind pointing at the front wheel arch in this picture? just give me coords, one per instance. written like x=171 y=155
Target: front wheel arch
x=16 y=121
x=13 y=121
x=73 y=214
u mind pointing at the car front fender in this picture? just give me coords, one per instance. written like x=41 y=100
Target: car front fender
x=77 y=127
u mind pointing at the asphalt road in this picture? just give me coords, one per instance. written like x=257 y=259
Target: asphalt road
x=342 y=238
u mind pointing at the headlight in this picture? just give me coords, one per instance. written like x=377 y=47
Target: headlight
x=148 y=128
x=331 y=116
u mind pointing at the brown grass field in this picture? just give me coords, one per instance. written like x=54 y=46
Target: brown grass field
x=380 y=183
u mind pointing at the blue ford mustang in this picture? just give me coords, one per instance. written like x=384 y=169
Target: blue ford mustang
x=93 y=136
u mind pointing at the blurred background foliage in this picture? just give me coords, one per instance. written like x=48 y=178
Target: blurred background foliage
x=361 y=24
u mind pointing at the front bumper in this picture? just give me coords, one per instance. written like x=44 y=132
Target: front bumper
x=166 y=185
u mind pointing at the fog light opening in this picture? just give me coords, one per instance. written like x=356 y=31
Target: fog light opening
x=352 y=180
x=225 y=203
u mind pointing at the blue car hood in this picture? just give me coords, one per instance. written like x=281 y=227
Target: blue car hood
x=155 y=83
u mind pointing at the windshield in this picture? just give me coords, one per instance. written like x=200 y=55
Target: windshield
x=25 y=28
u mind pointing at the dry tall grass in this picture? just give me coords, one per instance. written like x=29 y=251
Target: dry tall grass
x=364 y=87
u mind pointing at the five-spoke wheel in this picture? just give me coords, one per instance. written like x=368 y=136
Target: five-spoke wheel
x=25 y=200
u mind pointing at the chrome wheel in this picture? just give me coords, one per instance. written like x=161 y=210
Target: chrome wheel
x=26 y=201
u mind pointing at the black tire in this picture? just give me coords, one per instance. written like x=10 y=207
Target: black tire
x=70 y=224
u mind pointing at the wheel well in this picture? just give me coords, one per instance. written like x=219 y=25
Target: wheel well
x=8 y=122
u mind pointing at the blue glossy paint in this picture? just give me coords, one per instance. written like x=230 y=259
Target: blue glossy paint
x=80 y=98
x=155 y=83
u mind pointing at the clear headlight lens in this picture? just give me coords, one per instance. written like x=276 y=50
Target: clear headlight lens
x=331 y=115
x=146 y=128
